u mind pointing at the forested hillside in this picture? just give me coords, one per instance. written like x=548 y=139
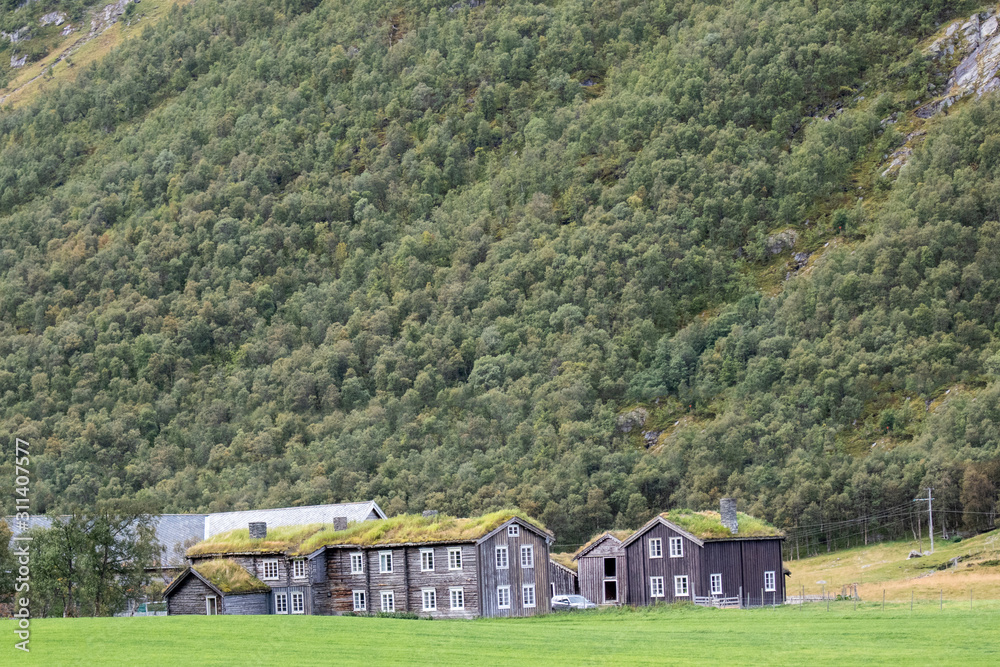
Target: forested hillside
x=429 y=252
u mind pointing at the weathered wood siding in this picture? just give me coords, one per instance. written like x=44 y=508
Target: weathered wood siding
x=251 y=603
x=491 y=577
x=561 y=580
x=441 y=579
x=189 y=597
x=590 y=570
x=742 y=564
x=641 y=567
x=341 y=583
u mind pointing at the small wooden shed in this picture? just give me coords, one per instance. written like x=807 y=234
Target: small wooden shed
x=562 y=575
x=216 y=587
x=601 y=568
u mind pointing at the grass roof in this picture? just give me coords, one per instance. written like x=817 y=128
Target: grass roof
x=707 y=525
x=564 y=559
x=413 y=528
x=620 y=535
x=279 y=540
x=230 y=577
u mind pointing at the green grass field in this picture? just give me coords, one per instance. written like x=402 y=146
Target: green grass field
x=671 y=635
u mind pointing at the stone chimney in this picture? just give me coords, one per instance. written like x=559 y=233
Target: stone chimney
x=258 y=530
x=727 y=508
x=430 y=513
x=340 y=523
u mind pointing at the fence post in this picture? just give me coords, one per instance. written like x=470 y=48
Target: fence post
x=741 y=597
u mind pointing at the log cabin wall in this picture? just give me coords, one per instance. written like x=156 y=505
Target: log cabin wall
x=642 y=567
x=562 y=581
x=592 y=572
x=492 y=577
x=251 y=603
x=442 y=579
x=189 y=597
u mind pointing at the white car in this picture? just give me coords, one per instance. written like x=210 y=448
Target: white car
x=571 y=602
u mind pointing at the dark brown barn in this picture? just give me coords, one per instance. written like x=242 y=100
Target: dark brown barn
x=701 y=556
x=562 y=575
x=601 y=568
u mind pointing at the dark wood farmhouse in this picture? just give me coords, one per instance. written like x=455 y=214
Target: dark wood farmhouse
x=562 y=575
x=684 y=555
x=217 y=586
x=443 y=567
x=601 y=568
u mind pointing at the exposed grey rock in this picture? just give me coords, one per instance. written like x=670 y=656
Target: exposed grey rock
x=632 y=419
x=977 y=43
x=108 y=16
x=53 y=18
x=19 y=35
x=16 y=62
x=651 y=437
x=914 y=554
x=781 y=241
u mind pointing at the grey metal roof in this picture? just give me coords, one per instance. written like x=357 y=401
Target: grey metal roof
x=177 y=532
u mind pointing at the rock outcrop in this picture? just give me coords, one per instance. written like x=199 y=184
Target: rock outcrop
x=976 y=45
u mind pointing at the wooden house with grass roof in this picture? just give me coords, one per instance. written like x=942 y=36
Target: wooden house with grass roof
x=601 y=568
x=217 y=586
x=684 y=555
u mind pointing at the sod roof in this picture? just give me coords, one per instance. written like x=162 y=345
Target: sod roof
x=620 y=535
x=416 y=529
x=226 y=575
x=707 y=525
x=403 y=529
x=564 y=559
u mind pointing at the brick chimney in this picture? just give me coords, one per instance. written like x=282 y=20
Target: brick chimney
x=727 y=508
x=340 y=523
x=258 y=530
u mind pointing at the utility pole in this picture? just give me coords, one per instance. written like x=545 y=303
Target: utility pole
x=930 y=515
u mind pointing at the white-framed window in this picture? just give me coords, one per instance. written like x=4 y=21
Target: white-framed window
x=502 y=563
x=385 y=561
x=503 y=597
x=769 y=582
x=299 y=570
x=298 y=603
x=388 y=601
x=655 y=547
x=457 y=598
x=211 y=605
x=360 y=604
x=455 y=558
x=426 y=560
x=513 y=530
x=656 y=587
x=429 y=597
x=357 y=563
x=528 y=595
x=680 y=585
x=270 y=568
x=676 y=547
x=281 y=603
x=527 y=556
x=715 y=581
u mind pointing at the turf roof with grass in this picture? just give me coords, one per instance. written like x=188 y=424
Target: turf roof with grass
x=564 y=559
x=707 y=525
x=620 y=535
x=230 y=577
x=403 y=529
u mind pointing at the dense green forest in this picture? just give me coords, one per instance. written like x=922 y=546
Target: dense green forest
x=281 y=252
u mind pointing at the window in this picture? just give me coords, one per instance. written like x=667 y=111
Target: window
x=357 y=563
x=655 y=547
x=298 y=603
x=426 y=560
x=385 y=561
x=769 y=581
x=656 y=587
x=211 y=605
x=502 y=558
x=681 y=585
x=388 y=601
x=270 y=569
x=716 y=583
x=527 y=556
x=455 y=558
x=457 y=598
x=676 y=547
x=503 y=597
x=280 y=603
x=528 y=595
x=513 y=530
x=299 y=569
x=429 y=596
x=359 y=601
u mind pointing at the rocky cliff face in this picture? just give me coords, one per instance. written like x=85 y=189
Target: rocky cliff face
x=975 y=44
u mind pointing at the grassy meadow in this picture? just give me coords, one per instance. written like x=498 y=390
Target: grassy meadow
x=666 y=635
